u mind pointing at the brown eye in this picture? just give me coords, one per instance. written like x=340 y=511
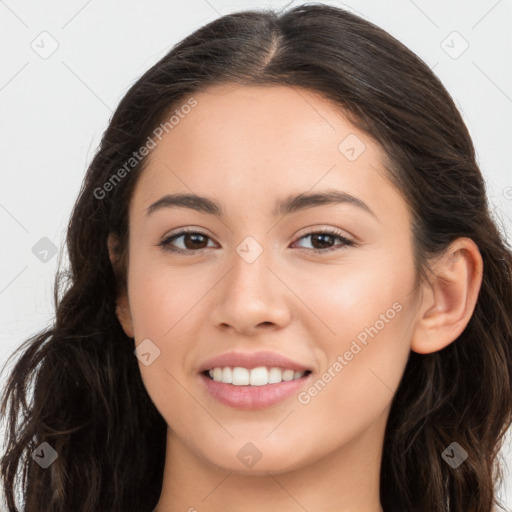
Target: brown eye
x=322 y=241
x=192 y=241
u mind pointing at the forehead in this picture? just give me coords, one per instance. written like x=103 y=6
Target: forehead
x=270 y=115
x=260 y=142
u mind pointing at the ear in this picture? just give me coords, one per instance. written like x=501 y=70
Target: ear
x=122 y=305
x=449 y=299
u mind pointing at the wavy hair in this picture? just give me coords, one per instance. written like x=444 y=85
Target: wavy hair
x=77 y=386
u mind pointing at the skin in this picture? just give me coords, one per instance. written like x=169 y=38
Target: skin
x=246 y=147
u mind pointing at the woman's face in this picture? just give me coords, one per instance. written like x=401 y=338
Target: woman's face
x=254 y=279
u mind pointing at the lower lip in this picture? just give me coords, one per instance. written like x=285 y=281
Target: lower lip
x=253 y=397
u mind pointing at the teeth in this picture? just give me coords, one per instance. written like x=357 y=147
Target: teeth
x=227 y=375
x=259 y=376
x=217 y=373
x=275 y=375
x=288 y=375
x=240 y=376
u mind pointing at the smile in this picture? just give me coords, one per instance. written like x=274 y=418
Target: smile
x=260 y=376
x=253 y=389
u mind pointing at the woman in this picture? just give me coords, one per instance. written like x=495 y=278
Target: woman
x=339 y=339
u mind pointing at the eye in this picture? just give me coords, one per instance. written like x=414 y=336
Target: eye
x=198 y=240
x=326 y=236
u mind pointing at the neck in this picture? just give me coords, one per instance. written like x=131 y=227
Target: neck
x=346 y=480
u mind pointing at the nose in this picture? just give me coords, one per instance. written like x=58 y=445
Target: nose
x=252 y=296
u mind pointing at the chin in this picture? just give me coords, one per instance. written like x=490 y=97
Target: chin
x=248 y=458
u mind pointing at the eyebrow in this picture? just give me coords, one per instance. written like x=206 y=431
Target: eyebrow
x=291 y=204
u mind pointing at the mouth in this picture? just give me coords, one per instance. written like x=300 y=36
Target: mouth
x=259 y=376
x=254 y=388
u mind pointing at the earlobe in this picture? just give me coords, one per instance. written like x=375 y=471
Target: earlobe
x=112 y=248
x=122 y=305
x=124 y=316
x=449 y=299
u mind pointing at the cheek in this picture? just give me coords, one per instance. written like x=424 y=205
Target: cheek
x=161 y=306
x=159 y=303
x=363 y=336
x=161 y=296
x=364 y=366
x=342 y=300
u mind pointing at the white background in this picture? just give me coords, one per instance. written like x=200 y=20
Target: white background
x=53 y=111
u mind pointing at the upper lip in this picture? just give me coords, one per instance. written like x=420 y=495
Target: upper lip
x=251 y=360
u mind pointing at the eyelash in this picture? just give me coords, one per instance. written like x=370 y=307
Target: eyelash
x=165 y=244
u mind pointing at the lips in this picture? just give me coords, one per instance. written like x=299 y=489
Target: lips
x=261 y=395
x=253 y=397
x=252 y=360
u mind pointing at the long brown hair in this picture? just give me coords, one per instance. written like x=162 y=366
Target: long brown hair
x=89 y=403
